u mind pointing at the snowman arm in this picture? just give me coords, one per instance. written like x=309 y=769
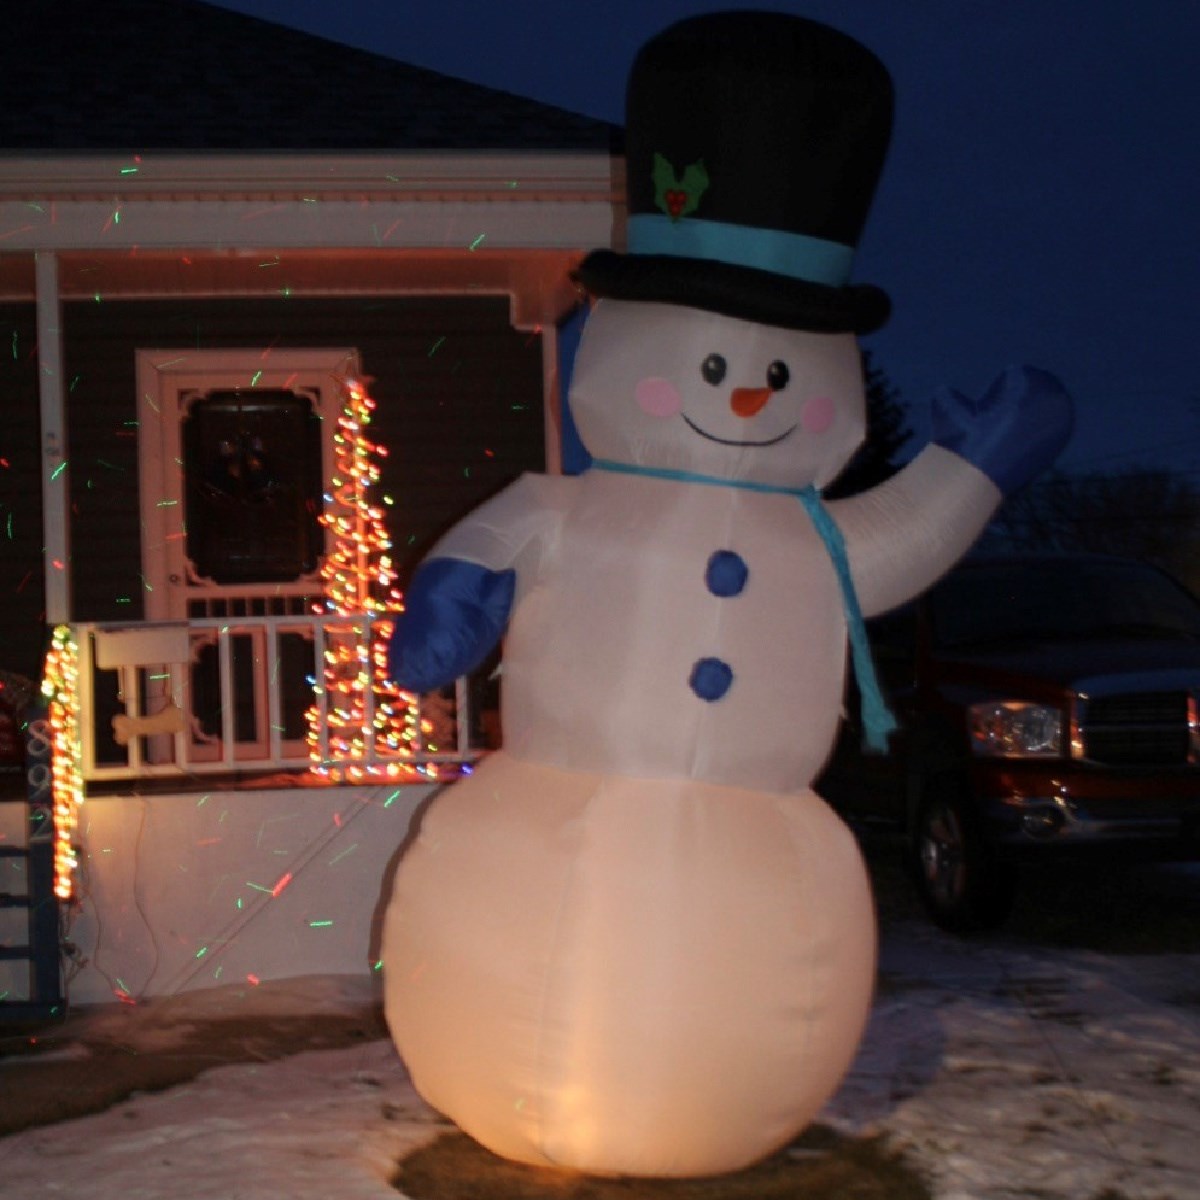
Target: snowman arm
x=513 y=528
x=458 y=602
x=904 y=534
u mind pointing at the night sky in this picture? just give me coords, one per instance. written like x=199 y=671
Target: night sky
x=1041 y=202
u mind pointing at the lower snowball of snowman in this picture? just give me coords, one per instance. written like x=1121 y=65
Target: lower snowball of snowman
x=624 y=976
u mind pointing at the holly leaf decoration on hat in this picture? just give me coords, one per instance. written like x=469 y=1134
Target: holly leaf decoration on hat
x=678 y=196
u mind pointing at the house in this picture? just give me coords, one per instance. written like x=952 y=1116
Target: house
x=215 y=233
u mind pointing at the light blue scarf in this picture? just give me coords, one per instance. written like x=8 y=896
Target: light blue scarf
x=877 y=718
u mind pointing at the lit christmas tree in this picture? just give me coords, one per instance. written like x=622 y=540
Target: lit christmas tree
x=373 y=727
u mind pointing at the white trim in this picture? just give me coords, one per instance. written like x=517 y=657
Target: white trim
x=238 y=224
x=232 y=201
x=160 y=375
x=515 y=174
x=55 y=474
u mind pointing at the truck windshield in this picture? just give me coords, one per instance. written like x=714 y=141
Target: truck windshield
x=997 y=602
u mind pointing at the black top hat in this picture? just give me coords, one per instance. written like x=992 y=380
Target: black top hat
x=754 y=142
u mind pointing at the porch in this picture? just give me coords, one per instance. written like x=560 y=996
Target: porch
x=231 y=794
x=249 y=694
x=182 y=890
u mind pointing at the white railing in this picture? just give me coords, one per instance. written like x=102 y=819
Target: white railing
x=219 y=695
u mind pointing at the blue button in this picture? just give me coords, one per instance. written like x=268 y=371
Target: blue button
x=711 y=678
x=726 y=573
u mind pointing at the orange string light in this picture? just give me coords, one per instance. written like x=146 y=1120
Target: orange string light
x=366 y=728
x=60 y=689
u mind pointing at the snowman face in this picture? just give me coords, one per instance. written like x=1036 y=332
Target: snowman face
x=675 y=388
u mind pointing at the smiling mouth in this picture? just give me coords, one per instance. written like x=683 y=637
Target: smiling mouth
x=712 y=437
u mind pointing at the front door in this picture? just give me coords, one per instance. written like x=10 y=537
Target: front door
x=235 y=451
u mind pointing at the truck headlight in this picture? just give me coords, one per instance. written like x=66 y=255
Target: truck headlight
x=1015 y=729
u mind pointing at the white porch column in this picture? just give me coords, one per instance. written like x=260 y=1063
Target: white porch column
x=552 y=400
x=55 y=499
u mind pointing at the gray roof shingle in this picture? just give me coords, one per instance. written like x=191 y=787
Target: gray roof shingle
x=183 y=75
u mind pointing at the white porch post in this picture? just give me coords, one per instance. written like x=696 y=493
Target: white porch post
x=55 y=500
x=552 y=400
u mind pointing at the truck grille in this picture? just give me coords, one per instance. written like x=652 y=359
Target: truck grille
x=1146 y=728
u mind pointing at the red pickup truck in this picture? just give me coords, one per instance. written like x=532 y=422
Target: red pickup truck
x=1049 y=705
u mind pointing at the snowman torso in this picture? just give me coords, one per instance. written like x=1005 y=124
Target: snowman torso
x=633 y=941
x=645 y=581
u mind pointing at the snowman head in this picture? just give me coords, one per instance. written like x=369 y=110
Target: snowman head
x=674 y=388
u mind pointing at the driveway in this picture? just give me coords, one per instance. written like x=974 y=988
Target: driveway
x=1057 y=1058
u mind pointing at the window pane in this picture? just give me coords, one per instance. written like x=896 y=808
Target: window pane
x=253 y=486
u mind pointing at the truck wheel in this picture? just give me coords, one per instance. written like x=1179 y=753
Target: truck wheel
x=962 y=885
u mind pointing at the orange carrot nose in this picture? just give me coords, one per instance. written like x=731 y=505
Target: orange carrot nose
x=748 y=401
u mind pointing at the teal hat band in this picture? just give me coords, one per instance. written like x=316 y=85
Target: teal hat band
x=797 y=255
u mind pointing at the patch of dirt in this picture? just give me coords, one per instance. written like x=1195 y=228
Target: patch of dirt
x=54 y=1073
x=819 y=1165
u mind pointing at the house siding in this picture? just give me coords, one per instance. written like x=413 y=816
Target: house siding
x=458 y=390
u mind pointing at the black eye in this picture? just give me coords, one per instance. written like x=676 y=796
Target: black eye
x=778 y=376
x=713 y=369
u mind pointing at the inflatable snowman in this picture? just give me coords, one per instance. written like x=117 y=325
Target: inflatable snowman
x=635 y=941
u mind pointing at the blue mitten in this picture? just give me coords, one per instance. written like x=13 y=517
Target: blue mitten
x=1013 y=432
x=454 y=614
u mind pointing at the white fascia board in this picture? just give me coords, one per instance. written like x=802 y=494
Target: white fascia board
x=559 y=175
x=232 y=224
x=232 y=201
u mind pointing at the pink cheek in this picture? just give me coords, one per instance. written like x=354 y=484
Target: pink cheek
x=817 y=415
x=658 y=397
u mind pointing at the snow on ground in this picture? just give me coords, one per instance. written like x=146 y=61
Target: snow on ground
x=1009 y=1071
x=1003 y=1070
x=319 y=1124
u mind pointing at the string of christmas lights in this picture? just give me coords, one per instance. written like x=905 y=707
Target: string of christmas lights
x=369 y=727
x=60 y=689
